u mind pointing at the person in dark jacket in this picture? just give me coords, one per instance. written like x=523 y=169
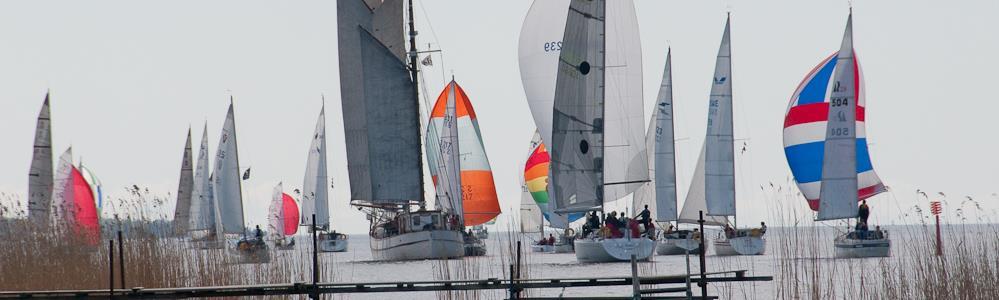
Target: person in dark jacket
x=863 y=212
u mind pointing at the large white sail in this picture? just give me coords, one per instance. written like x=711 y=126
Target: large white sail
x=315 y=195
x=275 y=214
x=660 y=194
x=380 y=109
x=182 y=211
x=40 y=175
x=719 y=155
x=62 y=207
x=577 y=125
x=837 y=195
x=202 y=208
x=226 y=181
x=538 y=51
x=696 y=201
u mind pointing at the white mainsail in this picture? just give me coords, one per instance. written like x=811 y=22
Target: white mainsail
x=837 y=195
x=182 y=211
x=226 y=181
x=449 y=164
x=275 y=214
x=660 y=194
x=597 y=149
x=62 y=208
x=380 y=108
x=40 y=176
x=315 y=195
x=719 y=147
x=202 y=208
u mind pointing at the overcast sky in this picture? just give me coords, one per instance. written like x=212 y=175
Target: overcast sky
x=129 y=77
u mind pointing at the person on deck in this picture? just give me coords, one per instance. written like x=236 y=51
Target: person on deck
x=863 y=212
x=645 y=216
x=551 y=239
x=259 y=233
x=861 y=230
x=729 y=232
x=763 y=228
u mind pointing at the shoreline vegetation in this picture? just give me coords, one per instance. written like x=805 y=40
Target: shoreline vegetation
x=803 y=265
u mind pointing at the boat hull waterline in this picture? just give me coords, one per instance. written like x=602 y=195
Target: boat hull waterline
x=852 y=248
x=746 y=245
x=431 y=244
x=611 y=250
x=670 y=246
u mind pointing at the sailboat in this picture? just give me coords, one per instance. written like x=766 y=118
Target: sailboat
x=282 y=219
x=381 y=112
x=712 y=189
x=185 y=188
x=535 y=184
x=597 y=146
x=315 y=195
x=228 y=194
x=479 y=203
x=40 y=176
x=660 y=194
x=201 y=224
x=73 y=206
x=830 y=162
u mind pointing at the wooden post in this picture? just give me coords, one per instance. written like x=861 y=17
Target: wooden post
x=939 y=239
x=704 y=280
x=110 y=269
x=121 y=260
x=513 y=289
x=315 y=261
x=519 y=266
x=636 y=291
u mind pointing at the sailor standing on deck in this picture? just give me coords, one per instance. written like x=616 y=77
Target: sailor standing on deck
x=864 y=211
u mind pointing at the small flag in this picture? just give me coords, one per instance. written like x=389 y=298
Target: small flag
x=246 y=175
x=427 y=61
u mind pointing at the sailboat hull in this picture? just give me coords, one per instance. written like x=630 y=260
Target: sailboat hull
x=846 y=247
x=745 y=245
x=611 y=250
x=670 y=246
x=333 y=245
x=430 y=244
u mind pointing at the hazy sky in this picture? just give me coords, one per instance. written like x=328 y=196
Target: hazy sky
x=129 y=77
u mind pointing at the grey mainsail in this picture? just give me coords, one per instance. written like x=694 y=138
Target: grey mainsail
x=40 y=175
x=202 y=208
x=315 y=195
x=719 y=147
x=226 y=181
x=380 y=109
x=660 y=194
x=181 y=214
x=578 y=122
x=838 y=192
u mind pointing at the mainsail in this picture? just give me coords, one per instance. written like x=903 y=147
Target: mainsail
x=719 y=147
x=202 y=208
x=820 y=151
x=40 y=175
x=226 y=182
x=315 y=195
x=380 y=108
x=660 y=194
x=597 y=149
x=450 y=194
x=479 y=200
x=182 y=212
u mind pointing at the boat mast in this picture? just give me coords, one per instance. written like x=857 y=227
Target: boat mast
x=672 y=125
x=603 y=102
x=414 y=72
x=731 y=116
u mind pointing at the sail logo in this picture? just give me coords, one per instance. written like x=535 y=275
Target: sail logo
x=662 y=108
x=720 y=80
x=572 y=199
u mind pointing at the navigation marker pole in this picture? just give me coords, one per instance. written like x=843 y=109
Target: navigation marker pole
x=704 y=280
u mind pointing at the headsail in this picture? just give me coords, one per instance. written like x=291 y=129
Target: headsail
x=696 y=201
x=480 y=202
x=315 y=194
x=807 y=130
x=719 y=144
x=380 y=109
x=202 y=208
x=660 y=194
x=40 y=176
x=182 y=211
x=539 y=46
x=227 y=184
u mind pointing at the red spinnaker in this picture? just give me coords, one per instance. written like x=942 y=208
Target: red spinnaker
x=85 y=221
x=290 y=214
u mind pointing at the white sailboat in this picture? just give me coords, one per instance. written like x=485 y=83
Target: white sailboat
x=40 y=177
x=315 y=195
x=836 y=141
x=185 y=187
x=228 y=195
x=597 y=145
x=382 y=131
x=201 y=225
x=282 y=219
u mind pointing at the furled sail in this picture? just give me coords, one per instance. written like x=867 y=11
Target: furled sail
x=380 y=109
x=807 y=133
x=660 y=194
x=539 y=47
x=202 y=208
x=40 y=176
x=227 y=184
x=719 y=144
x=315 y=195
x=479 y=200
x=182 y=212
x=696 y=201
